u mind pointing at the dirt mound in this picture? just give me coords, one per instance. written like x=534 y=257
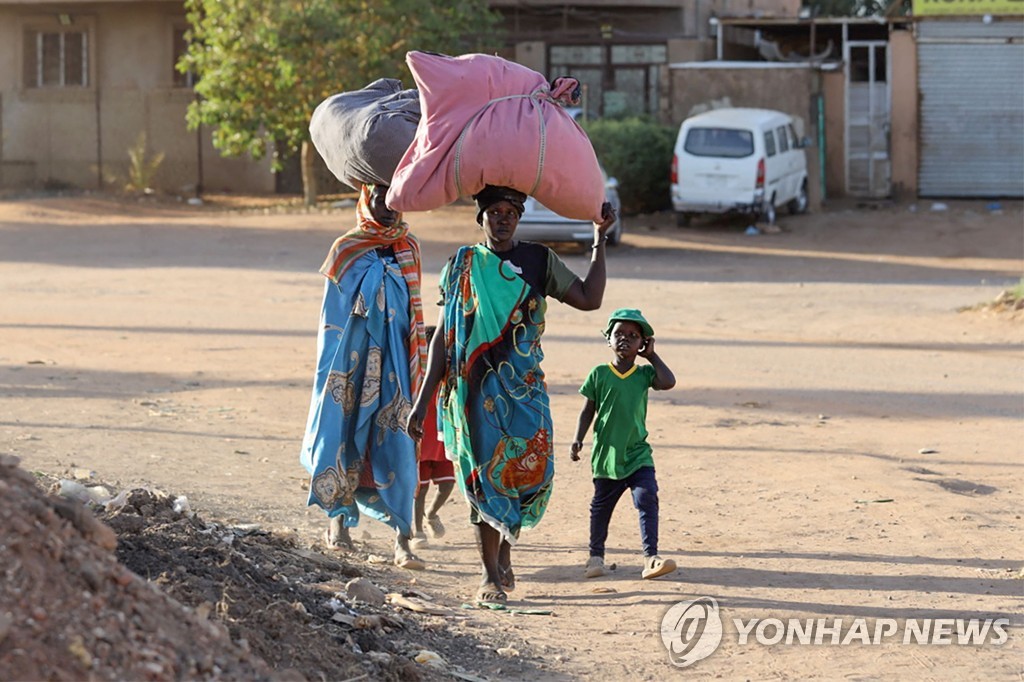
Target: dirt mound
x=184 y=598
x=71 y=611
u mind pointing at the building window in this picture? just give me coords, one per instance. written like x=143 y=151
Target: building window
x=618 y=80
x=178 y=49
x=56 y=59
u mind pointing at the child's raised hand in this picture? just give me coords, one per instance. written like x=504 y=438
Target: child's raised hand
x=647 y=350
x=574 y=452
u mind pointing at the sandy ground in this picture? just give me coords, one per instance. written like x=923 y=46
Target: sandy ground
x=842 y=443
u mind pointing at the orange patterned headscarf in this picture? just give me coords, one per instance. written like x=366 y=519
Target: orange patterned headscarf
x=368 y=235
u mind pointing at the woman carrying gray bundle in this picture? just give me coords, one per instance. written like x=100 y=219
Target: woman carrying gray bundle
x=371 y=354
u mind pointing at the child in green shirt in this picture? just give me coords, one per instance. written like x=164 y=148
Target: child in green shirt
x=621 y=457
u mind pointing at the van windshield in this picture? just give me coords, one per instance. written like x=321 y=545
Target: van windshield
x=722 y=142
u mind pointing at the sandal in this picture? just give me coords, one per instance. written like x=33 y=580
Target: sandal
x=655 y=566
x=436 y=527
x=489 y=594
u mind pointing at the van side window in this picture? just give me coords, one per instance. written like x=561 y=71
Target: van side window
x=792 y=135
x=783 y=139
x=769 y=143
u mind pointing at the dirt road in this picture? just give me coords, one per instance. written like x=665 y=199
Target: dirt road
x=842 y=442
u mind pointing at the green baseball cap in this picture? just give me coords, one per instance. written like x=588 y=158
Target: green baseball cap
x=629 y=315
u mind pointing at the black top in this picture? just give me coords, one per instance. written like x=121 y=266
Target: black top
x=544 y=272
x=529 y=260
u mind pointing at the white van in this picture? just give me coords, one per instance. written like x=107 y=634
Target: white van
x=738 y=160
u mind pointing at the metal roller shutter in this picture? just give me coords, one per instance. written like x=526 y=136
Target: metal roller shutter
x=970 y=78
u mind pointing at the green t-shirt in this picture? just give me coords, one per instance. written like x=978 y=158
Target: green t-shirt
x=620 y=415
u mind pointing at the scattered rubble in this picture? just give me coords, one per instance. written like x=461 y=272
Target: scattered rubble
x=142 y=588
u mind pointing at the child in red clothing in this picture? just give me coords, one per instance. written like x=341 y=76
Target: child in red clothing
x=434 y=467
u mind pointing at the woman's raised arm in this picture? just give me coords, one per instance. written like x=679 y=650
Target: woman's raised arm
x=588 y=293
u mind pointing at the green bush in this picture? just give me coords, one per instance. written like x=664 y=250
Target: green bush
x=638 y=152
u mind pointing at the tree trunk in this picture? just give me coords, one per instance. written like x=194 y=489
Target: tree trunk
x=309 y=189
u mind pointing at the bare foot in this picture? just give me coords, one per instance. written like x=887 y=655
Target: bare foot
x=404 y=558
x=337 y=536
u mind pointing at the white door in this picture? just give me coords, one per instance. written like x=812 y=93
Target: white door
x=798 y=159
x=790 y=157
x=774 y=167
x=868 y=167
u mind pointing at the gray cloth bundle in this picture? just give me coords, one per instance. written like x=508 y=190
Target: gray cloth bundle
x=363 y=134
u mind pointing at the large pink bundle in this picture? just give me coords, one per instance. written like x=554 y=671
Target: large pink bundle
x=488 y=121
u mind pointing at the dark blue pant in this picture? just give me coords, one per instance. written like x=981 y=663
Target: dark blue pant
x=607 y=492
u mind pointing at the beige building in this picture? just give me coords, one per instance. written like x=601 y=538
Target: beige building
x=81 y=81
x=849 y=83
x=897 y=106
x=619 y=50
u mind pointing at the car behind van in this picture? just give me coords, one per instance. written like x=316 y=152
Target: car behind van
x=540 y=224
x=738 y=160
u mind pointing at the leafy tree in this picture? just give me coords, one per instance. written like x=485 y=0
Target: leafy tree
x=264 y=65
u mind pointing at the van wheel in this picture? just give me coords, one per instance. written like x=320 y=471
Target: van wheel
x=799 y=204
x=768 y=211
x=683 y=219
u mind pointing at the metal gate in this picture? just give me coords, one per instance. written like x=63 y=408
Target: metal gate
x=868 y=166
x=972 y=108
